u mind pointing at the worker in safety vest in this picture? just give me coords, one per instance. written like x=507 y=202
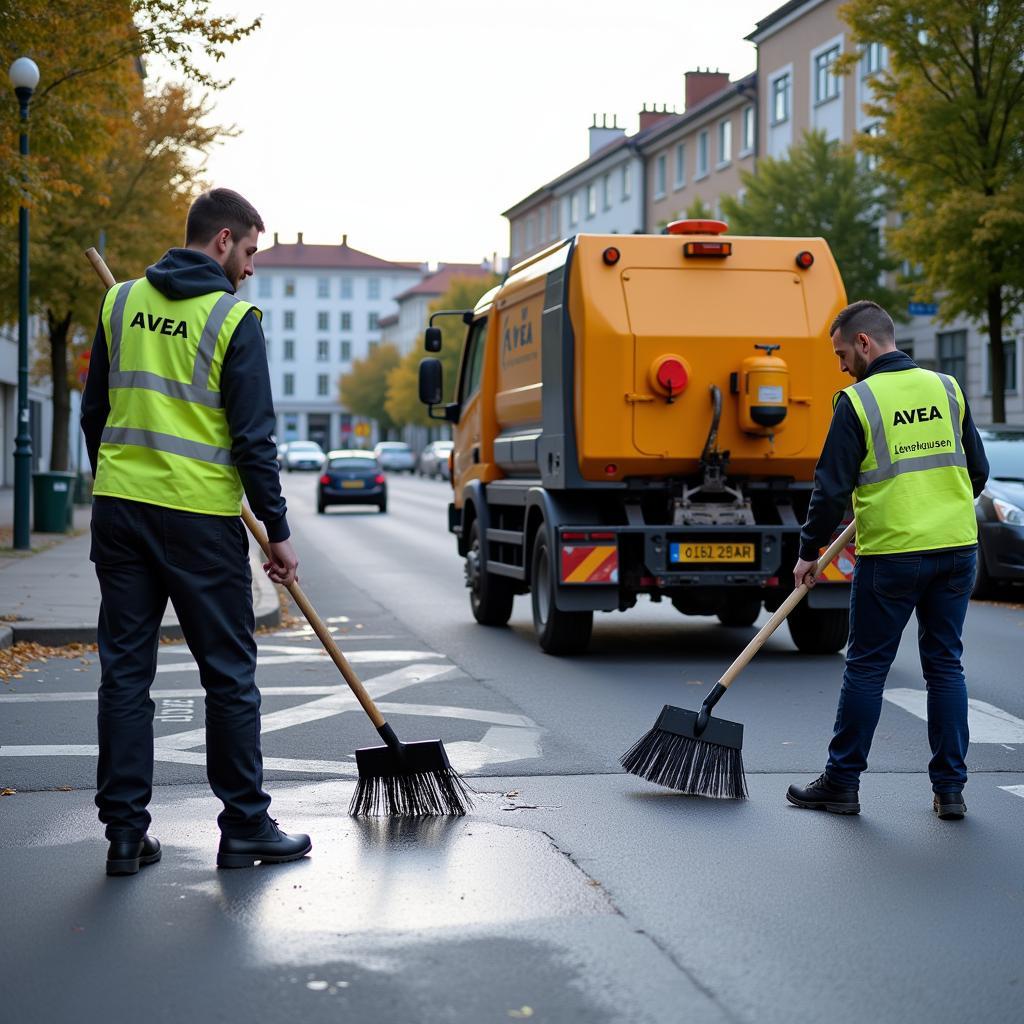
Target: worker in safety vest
x=178 y=417
x=903 y=443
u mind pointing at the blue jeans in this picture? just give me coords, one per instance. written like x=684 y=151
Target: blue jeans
x=886 y=589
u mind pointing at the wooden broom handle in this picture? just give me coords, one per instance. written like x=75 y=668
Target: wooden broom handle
x=784 y=609
x=319 y=628
x=294 y=589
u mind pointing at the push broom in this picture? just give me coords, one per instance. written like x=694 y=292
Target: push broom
x=699 y=755
x=408 y=779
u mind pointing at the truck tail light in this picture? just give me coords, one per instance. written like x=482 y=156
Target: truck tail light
x=715 y=249
x=325 y=479
x=804 y=259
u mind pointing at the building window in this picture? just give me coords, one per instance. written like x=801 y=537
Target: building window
x=372 y=321
x=289 y=320
x=322 y=321
x=952 y=350
x=872 y=59
x=346 y=287
x=871 y=160
x=345 y=352
x=1009 y=366
x=346 y=321
x=373 y=288
x=606 y=192
x=289 y=287
x=289 y=350
x=322 y=355
x=780 y=99
x=574 y=209
x=702 y=154
x=826 y=84
x=748 y=130
x=681 y=165
x=627 y=182
x=724 y=142
x=528 y=234
x=265 y=320
x=659 y=177
x=591 y=200
x=321 y=383
x=289 y=383
x=542 y=222
x=264 y=287
x=323 y=288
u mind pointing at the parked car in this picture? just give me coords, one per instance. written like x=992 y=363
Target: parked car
x=351 y=478
x=1000 y=509
x=434 y=460
x=303 y=455
x=395 y=455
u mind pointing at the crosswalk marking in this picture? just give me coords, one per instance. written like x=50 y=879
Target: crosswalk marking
x=988 y=724
x=301 y=655
x=1015 y=790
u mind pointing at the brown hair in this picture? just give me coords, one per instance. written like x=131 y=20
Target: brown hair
x=864 y=317
x=217 y=209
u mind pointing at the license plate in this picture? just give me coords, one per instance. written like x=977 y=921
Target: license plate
x=716 y=551
x=352 y=483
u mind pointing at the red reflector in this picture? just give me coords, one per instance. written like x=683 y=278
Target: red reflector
x=804 y=259
x=772 y=581
x=325 y=479
x=602 y=536
x=379 y=478
x=672 y=375
x=574 y=536
x=707 y=249
x=611 y=469
x=611 y=256
x=697 y=227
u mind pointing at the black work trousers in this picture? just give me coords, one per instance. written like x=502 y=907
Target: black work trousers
x=145 y=554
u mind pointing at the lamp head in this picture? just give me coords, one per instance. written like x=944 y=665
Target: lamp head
x=24 y=74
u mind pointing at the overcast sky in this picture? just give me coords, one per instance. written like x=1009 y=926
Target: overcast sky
x=410 y=125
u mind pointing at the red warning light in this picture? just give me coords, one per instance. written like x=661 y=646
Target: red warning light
x=611 y=256
x=611 y=469
x=804 y=259
x=672 y=376
x=697 y=227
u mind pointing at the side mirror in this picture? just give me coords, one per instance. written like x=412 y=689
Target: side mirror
x=430 y=379
x=432 y=340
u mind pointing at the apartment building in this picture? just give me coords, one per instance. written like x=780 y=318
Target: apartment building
x=700 y=154
x=322 y=309
x=797 y=45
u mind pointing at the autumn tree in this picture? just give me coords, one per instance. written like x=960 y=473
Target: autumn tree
x=403 y=401
x=363 y=390
x=950 y=106
x=821 y=189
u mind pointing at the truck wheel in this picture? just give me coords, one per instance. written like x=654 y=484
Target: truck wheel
x=740 y=611
x=558 y=632
x=819 y=630
x=490 y=596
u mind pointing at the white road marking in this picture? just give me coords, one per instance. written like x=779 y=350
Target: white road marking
x=498 y=745
x=988 y=724
x=354 y=657
x=469 y=714
x=1015 y=790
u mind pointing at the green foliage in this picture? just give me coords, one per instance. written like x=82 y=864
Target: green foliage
x=821 y=190
x=950 y=106
x=363 y=390
x=699 y=210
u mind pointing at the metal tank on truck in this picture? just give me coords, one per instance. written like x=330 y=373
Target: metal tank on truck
x=642 y=415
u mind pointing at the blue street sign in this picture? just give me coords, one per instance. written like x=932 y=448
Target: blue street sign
x=923 y=309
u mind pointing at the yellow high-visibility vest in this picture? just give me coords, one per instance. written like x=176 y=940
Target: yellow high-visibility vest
x=166 y=441
x=913 y=492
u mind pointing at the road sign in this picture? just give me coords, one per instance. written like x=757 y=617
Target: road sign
x=362 y=430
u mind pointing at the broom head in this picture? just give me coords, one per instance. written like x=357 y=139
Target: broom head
x=414 y=779
x=673 y=754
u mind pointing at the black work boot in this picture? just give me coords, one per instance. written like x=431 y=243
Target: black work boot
x=949 y=806
x=822 y=795
x=125 y=855
x=269 y=846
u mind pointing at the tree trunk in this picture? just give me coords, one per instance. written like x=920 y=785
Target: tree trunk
x=61 y=392
x=996 y=363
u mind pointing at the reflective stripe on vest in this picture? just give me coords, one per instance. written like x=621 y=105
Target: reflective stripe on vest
x=167 y=443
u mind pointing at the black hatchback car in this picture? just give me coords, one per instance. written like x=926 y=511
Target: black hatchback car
x=1000 y=509
x=351 y=478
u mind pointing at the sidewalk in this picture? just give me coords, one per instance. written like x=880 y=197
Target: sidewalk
x=51 y=596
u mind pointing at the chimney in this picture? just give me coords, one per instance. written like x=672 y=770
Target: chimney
x=299 y=242
x=604 y=133
x=701 y=84
x=654 y=115
x=344 y=240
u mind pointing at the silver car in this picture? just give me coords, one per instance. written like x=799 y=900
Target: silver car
x=396 y=456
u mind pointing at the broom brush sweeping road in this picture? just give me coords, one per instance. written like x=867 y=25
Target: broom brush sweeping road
x=699 y=755
x=407 y=779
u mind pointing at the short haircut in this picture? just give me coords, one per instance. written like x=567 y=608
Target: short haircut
x=217 y=209
x=864 y=317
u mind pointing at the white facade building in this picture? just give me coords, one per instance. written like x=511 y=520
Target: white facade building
x=322 y=306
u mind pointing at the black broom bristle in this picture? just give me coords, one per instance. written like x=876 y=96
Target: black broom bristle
x=442 y=792
x=688 y=765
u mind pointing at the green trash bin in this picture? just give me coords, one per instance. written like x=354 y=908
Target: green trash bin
x=52 y=494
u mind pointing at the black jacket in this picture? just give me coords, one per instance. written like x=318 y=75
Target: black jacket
x=845 y=448
x=244 y=385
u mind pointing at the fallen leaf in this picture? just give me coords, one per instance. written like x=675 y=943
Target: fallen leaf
x=512 y=792
x=7 y=792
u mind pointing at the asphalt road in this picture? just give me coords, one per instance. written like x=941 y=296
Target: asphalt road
x=573 y=891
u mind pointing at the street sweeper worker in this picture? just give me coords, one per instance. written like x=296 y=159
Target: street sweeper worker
x=903 y=443
x=178 y=417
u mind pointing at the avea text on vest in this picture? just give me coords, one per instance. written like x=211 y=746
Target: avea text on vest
x=907 y=416
x=161 y=325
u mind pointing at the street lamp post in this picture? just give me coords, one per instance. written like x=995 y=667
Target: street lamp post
x=24 y=77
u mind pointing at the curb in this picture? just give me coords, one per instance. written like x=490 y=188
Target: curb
x=266 y=607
